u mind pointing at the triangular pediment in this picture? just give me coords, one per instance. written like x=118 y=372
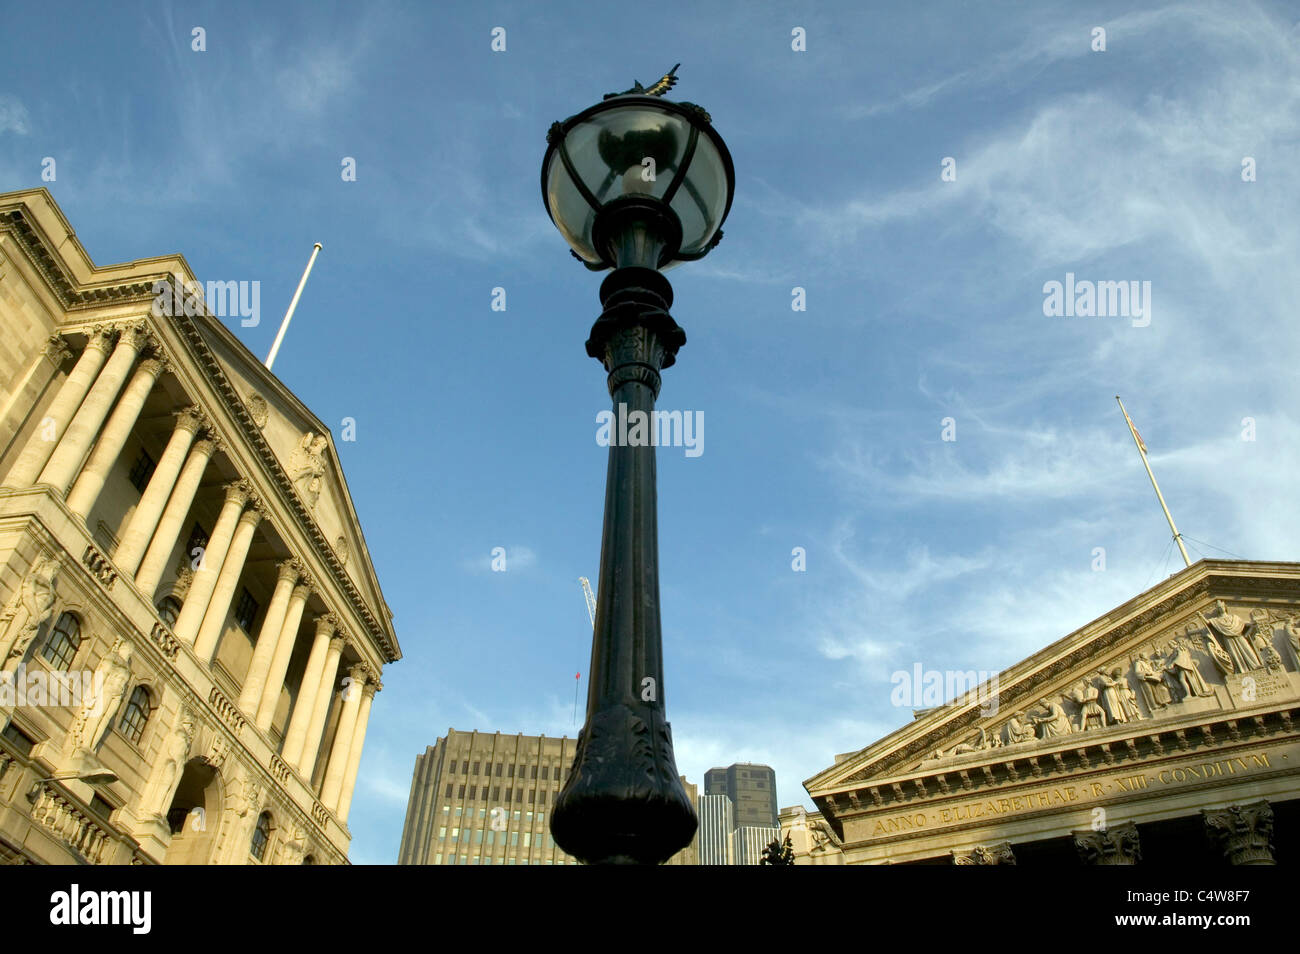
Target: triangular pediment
x=1216 y=643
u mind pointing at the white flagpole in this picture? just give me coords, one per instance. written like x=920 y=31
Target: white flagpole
x=1178 y=537
x=284 y=325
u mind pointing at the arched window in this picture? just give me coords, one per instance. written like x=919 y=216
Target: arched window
x=61 y=647
x=261 y=836
x=169 y=609
x=136 y=714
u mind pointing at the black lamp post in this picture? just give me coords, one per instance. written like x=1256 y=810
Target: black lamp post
x=637 y=184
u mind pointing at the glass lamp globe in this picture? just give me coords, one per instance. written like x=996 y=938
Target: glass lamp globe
x=636 y=163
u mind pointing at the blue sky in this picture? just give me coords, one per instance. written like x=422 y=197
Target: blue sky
x=823 y=428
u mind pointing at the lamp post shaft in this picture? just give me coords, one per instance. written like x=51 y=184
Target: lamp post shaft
x=623 y=802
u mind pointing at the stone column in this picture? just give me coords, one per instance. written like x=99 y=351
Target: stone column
x=172 y=524
x=214 y=554
x=54 y=351
x=354 y=752
x=1244 y=833
x=109 y=446
x=68 y=456
x=232 y=567
x=1117 y=845
x=255 y=679
x=283 y=653
x=139 y=531
x=304 y=706
x=38 y=450
x=311 y=749
x=336 y=771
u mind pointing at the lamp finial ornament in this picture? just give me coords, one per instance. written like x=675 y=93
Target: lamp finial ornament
x=663 y=85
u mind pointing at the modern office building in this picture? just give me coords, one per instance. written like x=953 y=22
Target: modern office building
x=752 y=790
x=716 y=831
x=480 y=798
x=180 y=554
x=750 y=840
x=1166 y=731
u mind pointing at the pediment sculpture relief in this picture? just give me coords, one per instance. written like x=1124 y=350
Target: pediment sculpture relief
x=307 y=467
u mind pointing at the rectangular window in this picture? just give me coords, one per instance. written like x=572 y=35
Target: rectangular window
x=457 y=811
x=446 y=808
x=531 y=796
x=437 y=859
x=19 y=739
x=478 y=836
x=541 y=798
x=473 y=792
x=101 y=806
x=442 y=833
x=475 y=772
x=141 y=470
x=534 y=771
x=464 y=767
x=528 y=836
x=455 y=834
x=514 y=838
x=498 y=770
x=461 y=793
x=496 y=793
x=448 y=793
x=511 y=771
x=246 y=611
x=546 y=772
x=491 y=837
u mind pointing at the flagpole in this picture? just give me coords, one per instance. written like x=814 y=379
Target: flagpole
x=1178 y=537
x=284 y=325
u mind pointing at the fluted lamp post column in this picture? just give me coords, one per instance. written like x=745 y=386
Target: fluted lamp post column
x=635 y=183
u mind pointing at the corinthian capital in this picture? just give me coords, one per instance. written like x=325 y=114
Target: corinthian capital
x=56 y=349
x=191 y=419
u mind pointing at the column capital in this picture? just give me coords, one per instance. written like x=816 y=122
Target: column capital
x=304 y=589
x=56 y=349
x=289 y=570
x=360 y=674
x=1117 y=845
x=153 y=366
x=1000 y=854
x=326 y=624
x=1244 y=833
x=373 y=686
x=100 y=337
x=238 y=491
x=190 y=419
x=253 y=512
x=338 y=642
x=134 y=334
x=206 y=447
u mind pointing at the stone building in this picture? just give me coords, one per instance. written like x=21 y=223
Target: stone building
x=480 y=798
x=1165 y=731
x=181 y=560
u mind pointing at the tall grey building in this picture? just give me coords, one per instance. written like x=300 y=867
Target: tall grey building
x=750 y=840
x=752 y=790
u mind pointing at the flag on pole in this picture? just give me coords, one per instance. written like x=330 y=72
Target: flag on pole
x=1136 y=436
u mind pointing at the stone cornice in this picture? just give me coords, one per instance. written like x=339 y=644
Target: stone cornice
x=74 y=295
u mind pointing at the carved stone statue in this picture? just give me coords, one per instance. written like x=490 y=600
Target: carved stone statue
x=295 y=848
x=108 y=685
x=978 y=742
x=1086 y=694
x=1054 y=722
x=30 y=607
x=1182 y=667
x=1231 y=630
x=1019 y=729
x=1262 y=639
x=170 y=765
x=307 y=467
x=1151 y=680
x=1118 y=696
x=1293 y=633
